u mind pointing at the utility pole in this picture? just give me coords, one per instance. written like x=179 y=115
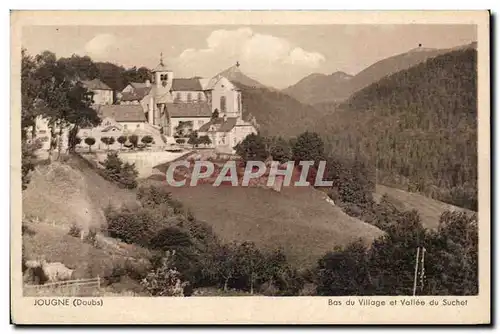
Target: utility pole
x=422 y=270
x=416 y=271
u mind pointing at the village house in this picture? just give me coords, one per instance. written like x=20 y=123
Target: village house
x=101 y=93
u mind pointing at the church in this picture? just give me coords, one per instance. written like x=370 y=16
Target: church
x=178 y=106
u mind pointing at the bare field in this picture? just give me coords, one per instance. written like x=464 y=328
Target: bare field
x=299 y=220
x=429 y=209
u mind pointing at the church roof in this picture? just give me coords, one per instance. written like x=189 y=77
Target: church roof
x=161 y=68
x=195 y=109
x=220 y=124
x=122 y=112
x=191 y=84
x=95 y=84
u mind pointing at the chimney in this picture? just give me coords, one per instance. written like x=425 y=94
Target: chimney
x=148 y=83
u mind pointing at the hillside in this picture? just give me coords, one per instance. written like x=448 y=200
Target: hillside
x=277 y=113
x=70 y=192
x=327 y=89
x=418 y=126
x=299 y=220
x=430 y=210
x=308 y=89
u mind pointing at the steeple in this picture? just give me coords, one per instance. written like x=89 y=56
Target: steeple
x=161 y=66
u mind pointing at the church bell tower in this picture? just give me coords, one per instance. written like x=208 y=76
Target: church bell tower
x=163 y=78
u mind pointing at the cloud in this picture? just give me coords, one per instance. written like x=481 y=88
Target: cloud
x=272 y=60
x=101 y=45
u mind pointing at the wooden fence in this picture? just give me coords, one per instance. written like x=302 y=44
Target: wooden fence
x=70 y=286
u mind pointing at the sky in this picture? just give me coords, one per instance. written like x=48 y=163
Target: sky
x=275 y=55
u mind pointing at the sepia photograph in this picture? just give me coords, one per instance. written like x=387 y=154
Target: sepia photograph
x=309 y=159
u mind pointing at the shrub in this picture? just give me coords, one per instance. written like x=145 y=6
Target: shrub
x=91 y=237
x=146 y=140
x=180 y=140
x=131 y=227
x=170 y=238
x=75 y=231
x=165 y=280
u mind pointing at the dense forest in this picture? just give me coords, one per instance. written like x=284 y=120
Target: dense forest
x=418 y=127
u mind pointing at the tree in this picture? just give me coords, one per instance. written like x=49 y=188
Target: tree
x=308 y=147
x=108 y=141
x=215 y=114
x=146 y=140
x=134 y=140
x=252 y=148
x=193 y=139
x=122 y=140
x=251 y=263
x=28 y=159
x=221 y=264
x=280 y=150
x=90 y=141
x=205 y=140
x=344 y=272
x=125 y=174
x=184 y=128
x=30 y=89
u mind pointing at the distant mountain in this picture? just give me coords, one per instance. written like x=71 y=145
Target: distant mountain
x=235 y=75
x=308 y=89
x=318 y=89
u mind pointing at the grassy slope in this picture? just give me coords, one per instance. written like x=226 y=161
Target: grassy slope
x=298 y=220
x=61 y=194
x=429 y=209
x=71 y=192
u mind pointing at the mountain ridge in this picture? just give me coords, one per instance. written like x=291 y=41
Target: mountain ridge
x=324 y=90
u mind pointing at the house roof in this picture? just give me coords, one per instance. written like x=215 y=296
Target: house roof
x=195 y=109
x=191 y=84
x=220 y=124
x=123 y=112
x=138 y=85
x=95 y=84
x=136 y=94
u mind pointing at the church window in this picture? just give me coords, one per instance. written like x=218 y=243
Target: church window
x=178 y=96
x=189 y=97
x=223 y=104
